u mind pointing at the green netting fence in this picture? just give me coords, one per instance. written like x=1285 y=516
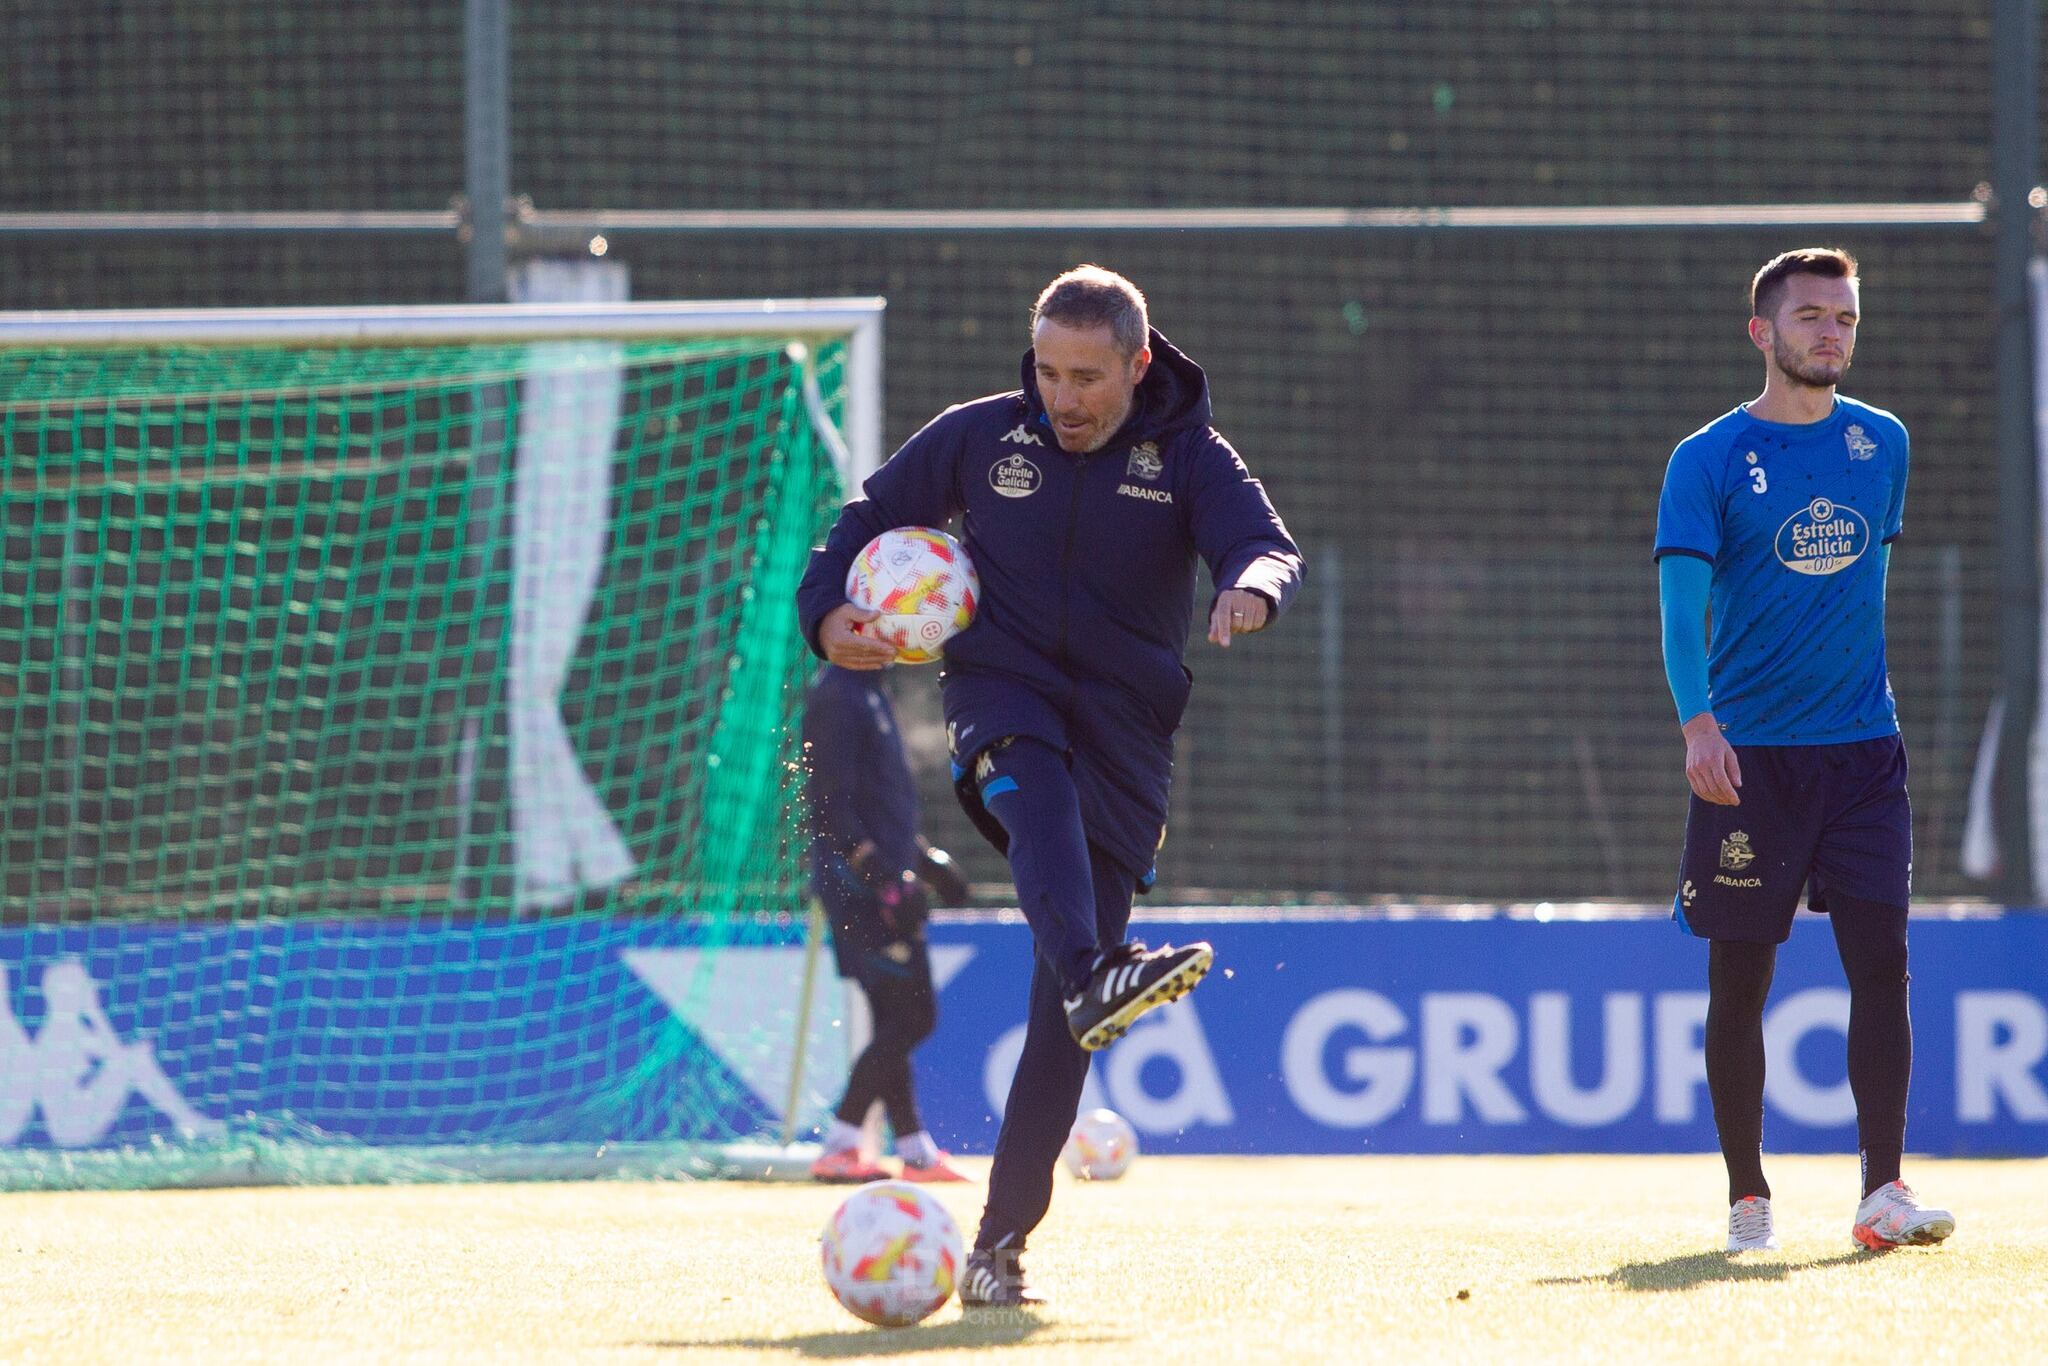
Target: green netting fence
x=1465 y=430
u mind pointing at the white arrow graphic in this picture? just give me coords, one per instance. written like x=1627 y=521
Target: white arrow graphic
x=743 y=1004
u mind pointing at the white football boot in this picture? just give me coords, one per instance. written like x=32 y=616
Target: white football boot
x=1749 y=1226
x=1892 y=1216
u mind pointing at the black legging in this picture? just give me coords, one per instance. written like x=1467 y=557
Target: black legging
x=1738 y=982
x=905 y=1011
x=1871 y=939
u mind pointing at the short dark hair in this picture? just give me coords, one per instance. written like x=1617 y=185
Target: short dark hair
x=1769 y=285
x=1089 y=296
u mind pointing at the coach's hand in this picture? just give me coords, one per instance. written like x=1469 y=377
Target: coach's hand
x=839 y=636
x=1710 y=763
x=1237 y=612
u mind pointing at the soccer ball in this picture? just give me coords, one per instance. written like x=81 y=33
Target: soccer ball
x=1100 y=1147
x=922 y=583
x=891 y=1253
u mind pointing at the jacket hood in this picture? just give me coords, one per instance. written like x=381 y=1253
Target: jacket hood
x=1173 y=395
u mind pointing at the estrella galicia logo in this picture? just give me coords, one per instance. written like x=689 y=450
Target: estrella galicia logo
x=1824 y=537
x=1014 y=477
x=1145 y=462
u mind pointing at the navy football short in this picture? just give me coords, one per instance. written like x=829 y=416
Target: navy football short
x=1118 y=747
x=1830 y=817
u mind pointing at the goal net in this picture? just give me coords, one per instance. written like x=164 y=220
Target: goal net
x=397 y=772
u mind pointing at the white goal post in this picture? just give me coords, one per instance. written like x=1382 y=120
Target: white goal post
x=857 y=320
x=316 y=971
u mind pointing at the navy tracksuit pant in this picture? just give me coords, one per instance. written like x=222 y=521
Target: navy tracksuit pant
x=1075 y=795
x=1045 y=1095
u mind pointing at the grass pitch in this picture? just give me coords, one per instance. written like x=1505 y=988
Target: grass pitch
x=1198 y=1259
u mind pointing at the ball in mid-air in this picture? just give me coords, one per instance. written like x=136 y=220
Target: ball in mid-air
x=922 y=583
x=1100 y=1146
x=891 y=1253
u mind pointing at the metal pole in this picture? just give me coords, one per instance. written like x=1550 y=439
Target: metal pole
x=75 y=607
x=568 y=232
x=487 y=112
x=814 y=938
x=1329 y=570
x=2015 y=170
x=1948 y=708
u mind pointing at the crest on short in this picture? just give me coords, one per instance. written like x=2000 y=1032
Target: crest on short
x=1736 y=853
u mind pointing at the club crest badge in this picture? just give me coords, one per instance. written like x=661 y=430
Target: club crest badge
x=1736 y=853
x=1861 y=447
x=1145 y=462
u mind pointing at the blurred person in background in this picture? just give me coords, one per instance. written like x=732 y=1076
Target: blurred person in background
x=1776 y=521
x=876 y=878
x=1088 y=494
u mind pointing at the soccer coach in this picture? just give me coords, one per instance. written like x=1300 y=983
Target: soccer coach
x=1087 y=496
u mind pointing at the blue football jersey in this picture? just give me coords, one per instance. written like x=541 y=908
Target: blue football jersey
x=1791 y=517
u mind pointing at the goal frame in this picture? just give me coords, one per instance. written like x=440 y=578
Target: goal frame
x=856 y=320
x=856 y=450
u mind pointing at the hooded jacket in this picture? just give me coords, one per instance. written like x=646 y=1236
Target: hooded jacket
x=1086 y=562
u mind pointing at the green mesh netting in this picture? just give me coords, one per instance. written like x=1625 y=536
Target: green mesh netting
x=396 y=749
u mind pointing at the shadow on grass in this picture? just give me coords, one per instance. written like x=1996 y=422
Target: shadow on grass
x=1703 y=1268
x=991 y=1328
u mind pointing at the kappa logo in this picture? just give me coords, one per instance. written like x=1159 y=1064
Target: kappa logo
x=1022 y=436
x=1688 y=892
x=1861 y=447
x=1015 y=477
x=1145 y=462
x=1736 y=853
x=78 y=1070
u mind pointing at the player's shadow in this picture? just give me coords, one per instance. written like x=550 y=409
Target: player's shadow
x=1702 y=1268
x=984 y=1328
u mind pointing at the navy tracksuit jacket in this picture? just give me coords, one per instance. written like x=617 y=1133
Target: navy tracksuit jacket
x=1087 y=566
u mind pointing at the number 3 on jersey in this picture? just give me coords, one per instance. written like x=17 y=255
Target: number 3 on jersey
x=1761 y=483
